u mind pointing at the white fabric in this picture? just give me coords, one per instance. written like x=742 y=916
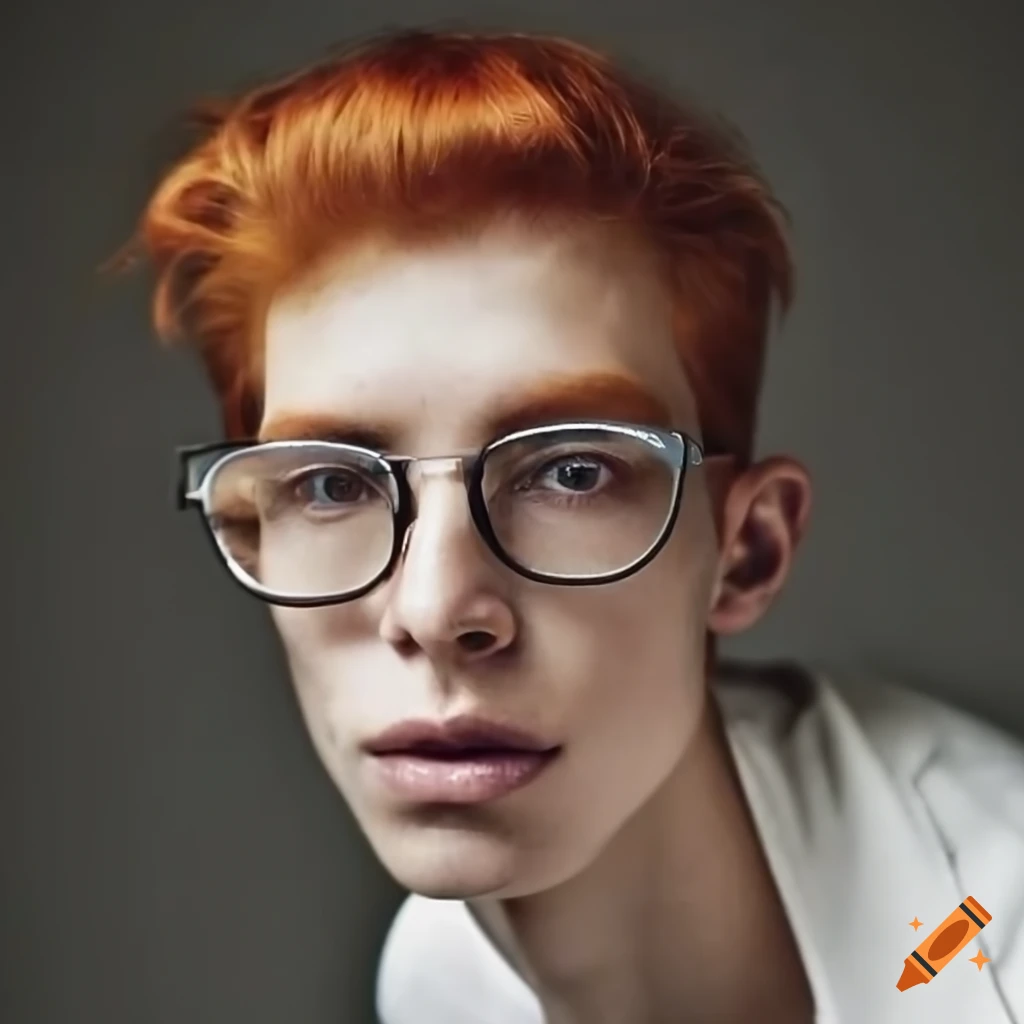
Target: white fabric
x=875 y=806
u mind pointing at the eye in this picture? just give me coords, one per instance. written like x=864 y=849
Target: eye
x=331 y=486
x=576 y=474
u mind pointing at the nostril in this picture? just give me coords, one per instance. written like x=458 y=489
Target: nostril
x=476 y=640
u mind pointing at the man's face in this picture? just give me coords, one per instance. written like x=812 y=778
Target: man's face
x=429 y=341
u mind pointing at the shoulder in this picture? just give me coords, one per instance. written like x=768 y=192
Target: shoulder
x=840 y=721
x=950 y=758
x=968 y=779
x=871 y=770
x=438 y=967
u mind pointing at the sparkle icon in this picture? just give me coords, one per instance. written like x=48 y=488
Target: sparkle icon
x=915 y=924
x=980 y=960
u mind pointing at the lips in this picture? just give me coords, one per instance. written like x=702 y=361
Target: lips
x=463 y=760
x=466 y=734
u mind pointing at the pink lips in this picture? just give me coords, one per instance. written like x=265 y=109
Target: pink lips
x=464 y=760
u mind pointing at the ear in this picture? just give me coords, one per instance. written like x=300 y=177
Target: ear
x=762 y=515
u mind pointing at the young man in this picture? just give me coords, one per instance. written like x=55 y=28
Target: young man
x=487 y=320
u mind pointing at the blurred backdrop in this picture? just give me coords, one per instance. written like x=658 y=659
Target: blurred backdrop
x=171 y=850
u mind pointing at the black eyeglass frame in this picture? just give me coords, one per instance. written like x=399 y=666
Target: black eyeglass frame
x=196 y=462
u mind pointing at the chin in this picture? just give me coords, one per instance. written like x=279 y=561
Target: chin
x=446 y=860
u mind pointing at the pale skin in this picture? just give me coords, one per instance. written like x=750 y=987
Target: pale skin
x=627 y=883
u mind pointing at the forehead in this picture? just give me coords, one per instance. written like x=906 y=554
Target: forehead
x=428 y=342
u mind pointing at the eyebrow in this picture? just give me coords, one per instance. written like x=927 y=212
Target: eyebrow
x=605 y=396
x=329 y=428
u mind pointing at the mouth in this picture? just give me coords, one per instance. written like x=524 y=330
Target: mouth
x=465 y=760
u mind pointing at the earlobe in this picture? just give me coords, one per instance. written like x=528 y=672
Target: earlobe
x=764 y=516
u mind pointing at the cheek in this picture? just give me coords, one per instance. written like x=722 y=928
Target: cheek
x=625 y=670
x=304 y=637
x=328 y=648
x=630 y=657
x=648 y=660
x=658 y=618
x=349 y=682
x=329 y=660
x=646 y=677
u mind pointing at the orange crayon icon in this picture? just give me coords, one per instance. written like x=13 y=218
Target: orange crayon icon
x=943 y=944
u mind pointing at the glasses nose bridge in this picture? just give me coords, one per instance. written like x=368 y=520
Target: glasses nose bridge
x=418 y=469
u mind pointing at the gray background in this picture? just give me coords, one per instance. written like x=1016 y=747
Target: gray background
x=171 y=849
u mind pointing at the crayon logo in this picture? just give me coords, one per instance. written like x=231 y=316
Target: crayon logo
x=944 y=943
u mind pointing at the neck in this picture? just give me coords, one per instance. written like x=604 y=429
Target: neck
x=679 y=910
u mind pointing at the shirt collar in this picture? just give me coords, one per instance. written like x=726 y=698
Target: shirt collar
x=853 y=858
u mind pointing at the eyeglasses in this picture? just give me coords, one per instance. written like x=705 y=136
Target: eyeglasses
x=307 y=523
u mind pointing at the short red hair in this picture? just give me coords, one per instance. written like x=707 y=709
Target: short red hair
x=426 y=130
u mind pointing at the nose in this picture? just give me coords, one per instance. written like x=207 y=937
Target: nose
x=446 y=597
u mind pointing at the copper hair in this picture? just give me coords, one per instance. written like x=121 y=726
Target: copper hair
x=429 y=132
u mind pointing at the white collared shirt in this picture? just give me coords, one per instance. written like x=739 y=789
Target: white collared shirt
x=875 y=806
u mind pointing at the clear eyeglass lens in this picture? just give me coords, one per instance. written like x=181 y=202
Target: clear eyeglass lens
x=587 y=502
x=303 y=521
